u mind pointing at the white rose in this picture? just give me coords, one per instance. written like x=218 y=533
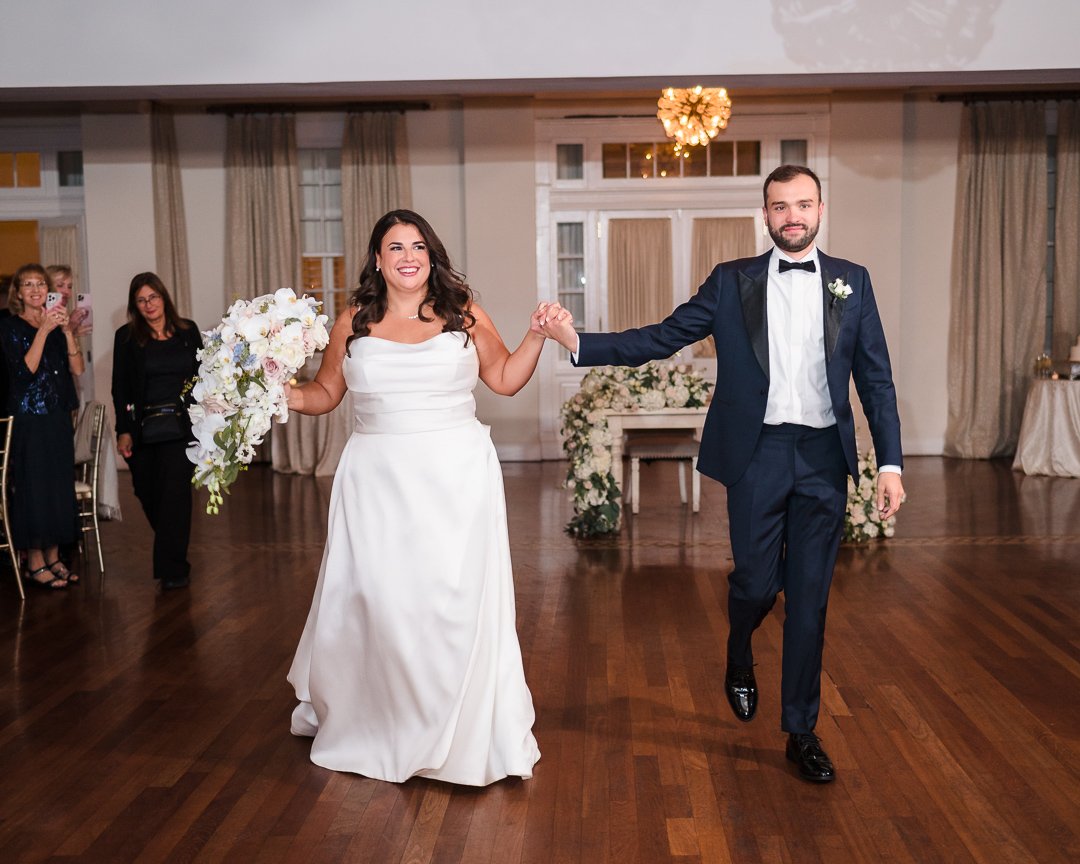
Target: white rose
x=602 y=459
x=652 y=401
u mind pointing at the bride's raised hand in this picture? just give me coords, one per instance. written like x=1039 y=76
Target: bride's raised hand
x=559 y=325
x=536 y=320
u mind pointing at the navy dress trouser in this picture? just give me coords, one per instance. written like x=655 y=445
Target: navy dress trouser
x=161 y=475
x=786 y=517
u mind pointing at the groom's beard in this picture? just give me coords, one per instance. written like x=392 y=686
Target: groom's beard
x=796 y=243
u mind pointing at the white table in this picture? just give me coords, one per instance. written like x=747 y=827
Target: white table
x=619 y=422
x=1050 y=432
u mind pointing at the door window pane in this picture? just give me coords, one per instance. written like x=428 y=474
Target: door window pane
x=614 y=158
x=569 y=161
x=641 y=160
x=28 y=169
x=695 y=162
x=667 y=162
x=571 y=239
x=793 y=152
x=570 y=268
x=70 y=167
x=722 y=159
x=747 y=158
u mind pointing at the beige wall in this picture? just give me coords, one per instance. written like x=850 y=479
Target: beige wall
x=893 y=181
x=437 y=169
x=500 y=248
x=200 y=142
x=118 y=190
x=931 y=135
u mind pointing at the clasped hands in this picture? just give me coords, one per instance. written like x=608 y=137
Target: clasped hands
x=552 y=321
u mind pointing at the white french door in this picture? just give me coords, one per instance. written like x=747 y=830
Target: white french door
x=579 y=265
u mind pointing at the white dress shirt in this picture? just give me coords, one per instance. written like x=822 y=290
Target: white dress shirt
x=798 y=388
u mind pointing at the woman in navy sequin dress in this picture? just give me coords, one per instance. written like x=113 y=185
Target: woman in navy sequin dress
x=41 y=355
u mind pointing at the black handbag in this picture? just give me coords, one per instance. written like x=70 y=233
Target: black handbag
x=163 y=422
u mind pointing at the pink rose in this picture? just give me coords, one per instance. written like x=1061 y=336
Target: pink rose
x=273 y=369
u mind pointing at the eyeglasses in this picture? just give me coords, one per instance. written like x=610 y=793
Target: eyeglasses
x=34 y=285
x=147 y=300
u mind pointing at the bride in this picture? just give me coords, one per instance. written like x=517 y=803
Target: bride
x=409 y=663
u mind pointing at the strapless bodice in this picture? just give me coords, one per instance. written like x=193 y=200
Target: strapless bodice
x=399 y=387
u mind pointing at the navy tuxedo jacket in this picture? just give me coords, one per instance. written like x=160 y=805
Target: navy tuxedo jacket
x=731 y=306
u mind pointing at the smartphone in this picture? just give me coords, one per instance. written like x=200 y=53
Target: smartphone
x=82 y=301
x=53 y=299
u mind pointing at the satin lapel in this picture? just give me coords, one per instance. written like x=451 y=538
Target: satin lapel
x=753 y=289
x=834 y=307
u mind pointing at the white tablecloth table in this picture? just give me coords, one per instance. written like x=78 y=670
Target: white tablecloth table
x=665 y=418
x=1050 y=432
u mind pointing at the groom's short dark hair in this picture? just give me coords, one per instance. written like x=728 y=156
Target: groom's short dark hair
x=785 y=174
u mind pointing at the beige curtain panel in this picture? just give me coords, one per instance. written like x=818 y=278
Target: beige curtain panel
x=997 y=324
x=639 y=274
x=1067 y=231
x=60 y=245
x=170 y=229
x=312 y=444
x=713 y=241
x=374 y=180
x=262 y=200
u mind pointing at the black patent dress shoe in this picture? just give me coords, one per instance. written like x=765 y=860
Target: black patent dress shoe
x=741 y=689
x=804 y=749
x=175 y=583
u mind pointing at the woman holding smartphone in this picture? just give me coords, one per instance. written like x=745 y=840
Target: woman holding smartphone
x=41 y=354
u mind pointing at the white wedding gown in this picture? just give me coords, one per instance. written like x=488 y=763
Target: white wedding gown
x=409 y=664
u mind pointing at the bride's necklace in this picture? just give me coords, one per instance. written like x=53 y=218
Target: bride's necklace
x=412 y=317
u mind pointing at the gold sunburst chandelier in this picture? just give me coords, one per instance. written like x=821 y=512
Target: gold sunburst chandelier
x=693 y=117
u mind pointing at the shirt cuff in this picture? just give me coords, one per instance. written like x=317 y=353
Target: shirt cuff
x=575 y=352
x=889 y=469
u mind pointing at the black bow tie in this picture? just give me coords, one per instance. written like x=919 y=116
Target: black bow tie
x=808 y=266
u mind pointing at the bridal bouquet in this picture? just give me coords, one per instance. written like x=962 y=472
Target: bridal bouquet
x=245 y=363
x=587 y=441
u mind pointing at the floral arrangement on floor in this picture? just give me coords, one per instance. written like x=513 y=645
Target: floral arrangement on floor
x=862 y=521
x=245 y=363
x=587 y=441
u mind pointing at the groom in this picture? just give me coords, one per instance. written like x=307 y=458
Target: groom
x=792 y=328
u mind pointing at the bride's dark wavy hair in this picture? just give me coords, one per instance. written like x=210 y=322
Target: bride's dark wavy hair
x=447 y=292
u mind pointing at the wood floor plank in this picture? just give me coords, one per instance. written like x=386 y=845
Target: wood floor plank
x=137 y=726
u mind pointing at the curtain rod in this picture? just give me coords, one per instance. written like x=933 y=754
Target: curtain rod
x=308 y=107
x=1017 y=96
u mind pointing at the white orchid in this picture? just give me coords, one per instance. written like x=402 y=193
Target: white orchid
x=240 y=388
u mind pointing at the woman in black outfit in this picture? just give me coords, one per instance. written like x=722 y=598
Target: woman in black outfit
x=40 y=355
x=154 y=356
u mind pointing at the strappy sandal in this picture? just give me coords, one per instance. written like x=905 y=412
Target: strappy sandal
x=63 y=573
x=54 y=584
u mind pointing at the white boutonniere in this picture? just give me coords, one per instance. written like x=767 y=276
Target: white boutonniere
x=840 y=289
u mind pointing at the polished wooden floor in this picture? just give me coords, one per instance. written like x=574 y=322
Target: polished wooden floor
x=137 y=726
